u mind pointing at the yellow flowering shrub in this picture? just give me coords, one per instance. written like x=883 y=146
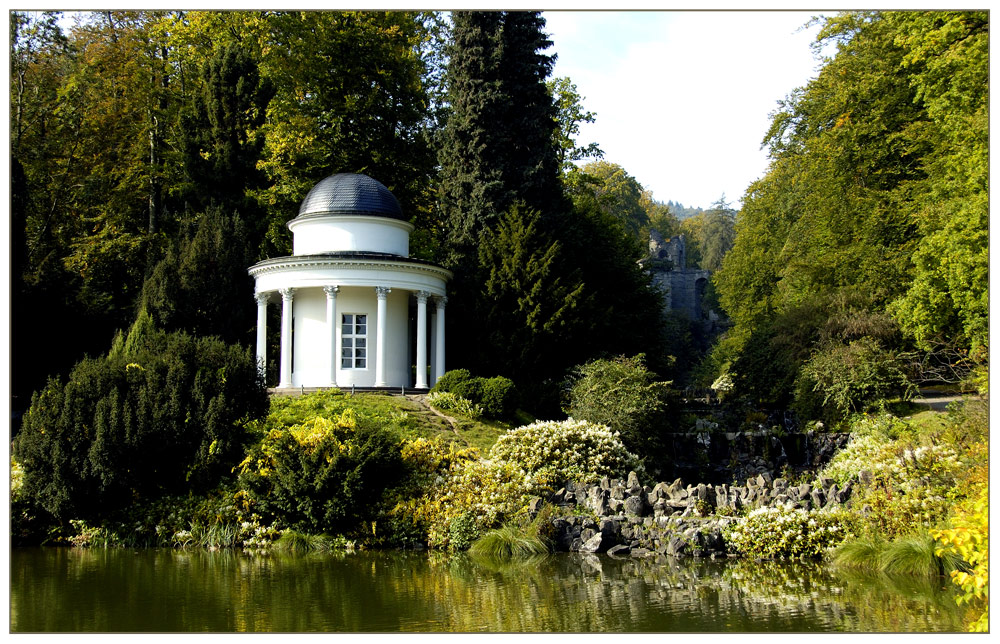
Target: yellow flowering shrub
x=968 y=536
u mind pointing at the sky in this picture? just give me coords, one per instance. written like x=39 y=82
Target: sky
x=682 y=98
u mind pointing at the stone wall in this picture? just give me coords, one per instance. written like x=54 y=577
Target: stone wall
x=627 y=518
x=721 y=457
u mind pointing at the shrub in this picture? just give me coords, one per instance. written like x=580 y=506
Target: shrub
x=448 y=401
x=499 y=397
x=323 y=475
x=851 y=377
x=450 y=379
x=773 y=532
x=496 y=397
x=968 y=536
x=171 y=406
x=622 y=394
x=570 y=449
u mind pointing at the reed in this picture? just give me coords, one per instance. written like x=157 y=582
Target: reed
x=508 y=542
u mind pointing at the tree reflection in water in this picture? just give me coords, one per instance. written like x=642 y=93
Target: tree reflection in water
x=72 y=590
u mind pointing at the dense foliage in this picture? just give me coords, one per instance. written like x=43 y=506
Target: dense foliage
x=324 y=475
x=161 y=413
x=787 y=532
x=624 y=395
x=496 y=397
x=876 y=186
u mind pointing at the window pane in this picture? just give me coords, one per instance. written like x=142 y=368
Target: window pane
x=345 y=363
x=346 y=353
x=360 y=342
x=348 y=343
x=362 y=319
x=361 y=329
x=348 y=318
x=361 y=353
x=361 y=363
x=346 y=329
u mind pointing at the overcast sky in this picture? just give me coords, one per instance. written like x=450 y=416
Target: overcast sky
x=682 y=98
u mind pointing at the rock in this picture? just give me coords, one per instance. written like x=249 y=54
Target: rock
x=845 y=494
x=818 y=498
x=559 y=495
x=865 y=477
x=633 y=480
x=605 y=483
x=636 y=506
x=640 y=552
x=618 y=493
x=587 y=533
x=619 y=550
x=825 y=482
x=595 y=543
x=676 y=546
x=780 y=484
x=660 y=491
x=804 y=490
x=570 y=498
x=535 y=506
x=615 y=505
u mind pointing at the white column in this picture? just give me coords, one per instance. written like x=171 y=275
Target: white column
x=286 y=337
x=332 y=323
x=439 y=339
x=262 y=332
x=381 y=292
x=422 y=339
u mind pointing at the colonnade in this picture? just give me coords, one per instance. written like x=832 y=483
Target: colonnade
x=381 y=294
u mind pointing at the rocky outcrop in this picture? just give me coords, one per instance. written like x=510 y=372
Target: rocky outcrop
x=672 y=519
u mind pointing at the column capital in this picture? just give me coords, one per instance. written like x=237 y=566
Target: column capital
x=441 y=301
x=423 y=296
x=262 y=297
x=382 y=292
x=287 y=294
x=331 y=290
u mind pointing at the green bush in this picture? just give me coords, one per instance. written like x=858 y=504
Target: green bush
x=450 y=379
x=499 y=397
x=622 y=394
x=496 y=396
x=162 y=413
x=852 y=377
x=323 y=476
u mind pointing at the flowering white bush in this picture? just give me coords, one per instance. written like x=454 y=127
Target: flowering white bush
x=872 y=452
x=445 y=401
x=787 y=531
x=564 y=450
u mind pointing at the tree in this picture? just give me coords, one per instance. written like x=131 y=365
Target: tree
x=527 y=306
x=876 y=183
x=496 y=147
x=201 y=285
x=710 y=235
x=218 y=133
x=615 y=191
x=570 y=114
x=158 y=414
x=624 y=395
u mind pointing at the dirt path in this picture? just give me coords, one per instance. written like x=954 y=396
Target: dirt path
x=936 y=400
x=422 y=400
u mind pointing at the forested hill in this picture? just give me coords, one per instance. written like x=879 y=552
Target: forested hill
x=683 y=212
x=860 y=260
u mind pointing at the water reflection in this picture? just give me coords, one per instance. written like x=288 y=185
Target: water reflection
x=70 y=590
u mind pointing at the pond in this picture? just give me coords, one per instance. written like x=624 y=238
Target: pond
x=77 y=590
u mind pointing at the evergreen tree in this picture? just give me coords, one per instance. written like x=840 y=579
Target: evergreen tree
x=497 y=145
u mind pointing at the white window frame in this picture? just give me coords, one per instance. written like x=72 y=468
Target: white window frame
x=350 y=340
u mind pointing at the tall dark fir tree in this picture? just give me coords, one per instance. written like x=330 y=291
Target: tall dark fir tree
x=495 y=149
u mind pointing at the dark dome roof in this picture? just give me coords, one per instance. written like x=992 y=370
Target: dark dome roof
x=350 y=194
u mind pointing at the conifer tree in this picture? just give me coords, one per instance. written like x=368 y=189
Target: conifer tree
x=496 y=147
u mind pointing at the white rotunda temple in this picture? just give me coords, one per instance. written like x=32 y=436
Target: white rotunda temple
x=346 y=294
